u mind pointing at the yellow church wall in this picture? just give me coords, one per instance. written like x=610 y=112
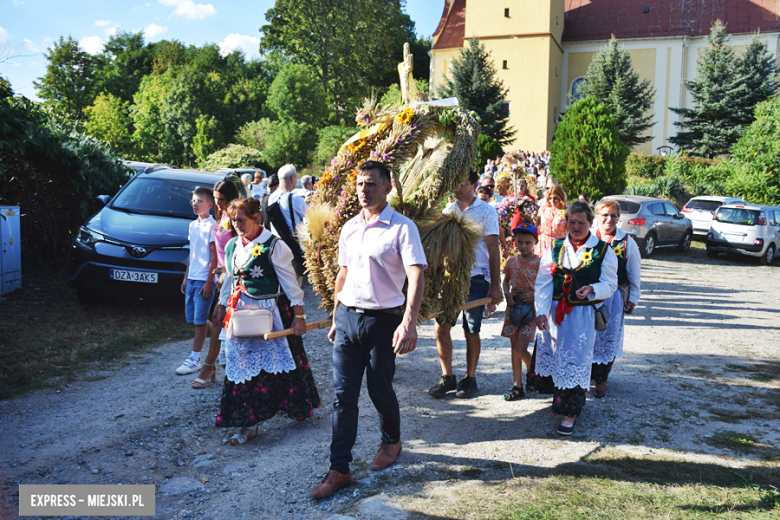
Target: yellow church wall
x=553 y=91
x=486 y=17
x=440 y=65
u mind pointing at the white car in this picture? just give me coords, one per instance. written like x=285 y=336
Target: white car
x=745 y=229
x=701 y=210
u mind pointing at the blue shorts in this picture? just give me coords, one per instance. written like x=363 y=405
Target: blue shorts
x=196 y=309
x=472 y=318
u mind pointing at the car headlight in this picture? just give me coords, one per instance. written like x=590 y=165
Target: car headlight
x=88 y=237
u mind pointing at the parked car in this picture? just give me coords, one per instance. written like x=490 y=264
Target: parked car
x=745 y=229
x=145 y=167
x=137 y=243
x=653 y=223
x=701 y=210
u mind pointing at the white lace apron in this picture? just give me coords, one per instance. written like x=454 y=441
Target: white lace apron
x=565 y=351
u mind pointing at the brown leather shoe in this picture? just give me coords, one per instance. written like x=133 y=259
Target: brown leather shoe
x=386 y=456
x=332 y=482
x=600 y=391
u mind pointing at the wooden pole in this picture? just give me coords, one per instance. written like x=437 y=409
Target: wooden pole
x=327 y=323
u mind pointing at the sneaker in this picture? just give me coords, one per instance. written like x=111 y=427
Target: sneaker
x=188 y=367
x=467 y=387
x=445 y=384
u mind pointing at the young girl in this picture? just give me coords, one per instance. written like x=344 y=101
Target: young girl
x=224 y=193
x=519 y=278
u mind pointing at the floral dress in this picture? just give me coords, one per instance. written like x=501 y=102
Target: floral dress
x=552 y=226
x=265 y=377
x=522 y=275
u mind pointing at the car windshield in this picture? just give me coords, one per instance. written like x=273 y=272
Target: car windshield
x=167 y=197
x=741 y=216
x=704 y=205
x=626 y=206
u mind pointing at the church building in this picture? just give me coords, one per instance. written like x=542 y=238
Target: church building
x=542 y=48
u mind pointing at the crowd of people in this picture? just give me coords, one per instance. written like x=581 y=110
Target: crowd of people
x=570 y=276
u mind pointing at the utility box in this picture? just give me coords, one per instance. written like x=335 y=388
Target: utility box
x=10 y=250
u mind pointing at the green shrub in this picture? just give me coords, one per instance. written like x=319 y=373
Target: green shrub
x=290 y=143
x=254 y=133
x=587 y=155
x=329 y=140
x=487 y=148
x=234 y=156
x=645 y=165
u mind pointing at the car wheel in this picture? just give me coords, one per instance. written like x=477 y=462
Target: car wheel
x=712 y=254
x=648 y=246
x=685 y=245
x=85 y=296
x=768 y=255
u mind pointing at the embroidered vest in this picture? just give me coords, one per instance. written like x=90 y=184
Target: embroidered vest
x=620 y=247
x=257 y=274
x=586 y=273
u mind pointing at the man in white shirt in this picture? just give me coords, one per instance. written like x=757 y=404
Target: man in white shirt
x=306 y=187
x=255 y=188
x=288 y=177
x=485 y=281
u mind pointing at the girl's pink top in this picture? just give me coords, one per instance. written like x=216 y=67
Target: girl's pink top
x=222 y=235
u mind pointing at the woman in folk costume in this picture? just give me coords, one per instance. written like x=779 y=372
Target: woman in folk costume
x=609 y=342
x=576 y=274
x=262 y=377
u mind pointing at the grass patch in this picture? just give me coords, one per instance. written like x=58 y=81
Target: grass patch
x=734 y=441
x=761 y=378
x=470 y=471
x=47 y=338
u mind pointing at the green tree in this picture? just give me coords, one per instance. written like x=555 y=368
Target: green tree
x=753 y=169
x=330 y=140
x=290 y=143
x=253 y=134
x=108 y=119
x=612 y=80
x=208 y=138
x=487 y=148
x=759 y=69
x=587 y=155
x=125 y=60
x=393 y=94
x=297 y=95
x=714 y=124
x=68 y=79
x=151 y=137
x=473 y=81
x=348 y=44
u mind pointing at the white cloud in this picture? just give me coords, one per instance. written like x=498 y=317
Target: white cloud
x=189 y=9
x=92 y=44
x=249 y=44
x=18 y=2
x=31 y=46
x=153 y=30
x=4 y=36
x=102 y=23
x=111 y=31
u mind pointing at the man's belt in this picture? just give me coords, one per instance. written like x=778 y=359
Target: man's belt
x=376 y=312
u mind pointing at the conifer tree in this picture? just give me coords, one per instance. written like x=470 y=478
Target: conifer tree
x=612 y=80
x=719 y=91
x=473 y=81
x=758 y=68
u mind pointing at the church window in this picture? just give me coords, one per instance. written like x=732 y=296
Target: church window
x=506 y=12
x=575 y=88
x=503 y=111
x=506 y=65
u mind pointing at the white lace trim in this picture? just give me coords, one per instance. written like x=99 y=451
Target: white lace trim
x=247 y=357
x=565 y=352
x=609 y=342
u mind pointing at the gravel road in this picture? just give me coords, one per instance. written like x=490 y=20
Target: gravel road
x=701 y=357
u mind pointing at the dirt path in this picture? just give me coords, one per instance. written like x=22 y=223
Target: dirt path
x=701 y=359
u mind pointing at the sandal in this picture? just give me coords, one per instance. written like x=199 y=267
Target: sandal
x=514 y=394
x=199 y=383
x=239 y=438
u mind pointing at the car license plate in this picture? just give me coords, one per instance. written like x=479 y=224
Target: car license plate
x=132 y=276
x=734 y=237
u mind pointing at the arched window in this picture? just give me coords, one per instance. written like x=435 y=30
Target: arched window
x=574 y=91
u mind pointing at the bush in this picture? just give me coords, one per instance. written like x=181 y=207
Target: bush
x=329 y=141
x=645 y=165
x=487 y=148
x=290 y=143
x=53 y=173
x=587 y=155
x=234 y=156
x=254 y=133
x=393 y=94
x=669 y=187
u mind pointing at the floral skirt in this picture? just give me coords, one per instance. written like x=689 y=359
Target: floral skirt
x=260 y=398
x=535 y=382
x=569 y=401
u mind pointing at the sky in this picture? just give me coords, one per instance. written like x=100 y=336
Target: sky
x=29 y=27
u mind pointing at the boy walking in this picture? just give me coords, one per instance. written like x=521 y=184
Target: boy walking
x=198 y=283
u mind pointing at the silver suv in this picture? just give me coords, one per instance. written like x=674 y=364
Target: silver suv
x=701 y=210
x=653 y=223
x=745 y=229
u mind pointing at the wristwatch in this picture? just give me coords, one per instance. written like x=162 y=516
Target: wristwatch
x=301 y=316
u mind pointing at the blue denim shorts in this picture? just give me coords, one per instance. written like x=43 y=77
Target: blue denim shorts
x=196 y=309
x=472 y=318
